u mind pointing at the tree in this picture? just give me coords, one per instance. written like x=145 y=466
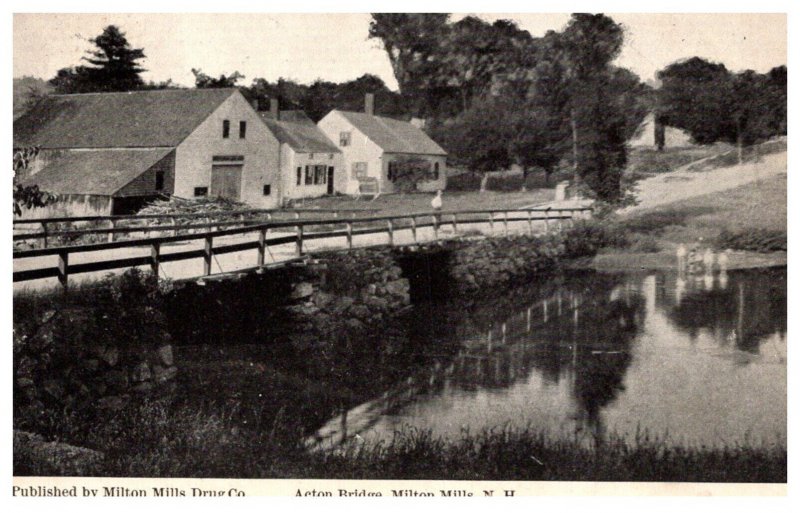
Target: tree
x=713 y=104
x=406 y=172
x=113 y=66
x=27 y=196
x=203 y=81
x=597 y=117
x=411 y=41
x=478 y=137
x=539 y=138
x=696 y=96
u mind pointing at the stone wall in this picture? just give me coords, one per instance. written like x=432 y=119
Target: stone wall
x=350 y=292
x=101 y=354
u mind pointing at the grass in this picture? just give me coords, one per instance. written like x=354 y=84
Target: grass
x=756 y=207
x=646 y=162
x=155 y=440
x=399 y=204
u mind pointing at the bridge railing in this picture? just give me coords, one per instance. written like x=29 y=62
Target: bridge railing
x=297 y=232
x=176 y=222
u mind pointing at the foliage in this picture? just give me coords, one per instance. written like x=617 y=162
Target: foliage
x=714 y=104
x=478 y=137
x=586 y=238
x=28 y=196
x=499 y=96
x=322 y=96
x=761 y=240
x=203 y=81
x=113 y=66
x=406 y=172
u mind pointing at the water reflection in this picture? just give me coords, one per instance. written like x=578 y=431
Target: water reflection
x=592 y=354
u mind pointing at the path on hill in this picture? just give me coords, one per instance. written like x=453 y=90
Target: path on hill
x=682 y=184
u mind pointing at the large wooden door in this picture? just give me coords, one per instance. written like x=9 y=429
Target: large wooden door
x=226 y=182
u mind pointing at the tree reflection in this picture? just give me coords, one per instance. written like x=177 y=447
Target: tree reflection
x=751 y=306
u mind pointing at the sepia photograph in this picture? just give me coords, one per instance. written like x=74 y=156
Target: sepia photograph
x=398 y=247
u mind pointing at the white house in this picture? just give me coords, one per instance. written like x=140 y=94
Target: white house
x=109 y=153
x=310 y=163
x=370 y=145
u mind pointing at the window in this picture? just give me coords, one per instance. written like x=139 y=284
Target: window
x=267 y=189
x=330 y=156
x=391 y=174
x=436 y=171
x=232 y=160
x=242 y=129
x=299 y=175
x=359 y=170
x=320 y=174
x=309 y=175
x=159 y=180
x=226 y=128
x=310 y=156
x=344 y=138
x=200 y=191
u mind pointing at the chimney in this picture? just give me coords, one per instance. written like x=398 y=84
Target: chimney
x=369 y=104
x=254 y=103
x=273 y=109
x=419 y=122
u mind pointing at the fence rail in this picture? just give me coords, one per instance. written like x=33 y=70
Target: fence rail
x=344 y=227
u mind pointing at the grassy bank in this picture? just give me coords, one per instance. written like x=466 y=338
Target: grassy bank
x=156 y=440
x=749 y=220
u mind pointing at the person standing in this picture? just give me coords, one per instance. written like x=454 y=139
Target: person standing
x=436 y=202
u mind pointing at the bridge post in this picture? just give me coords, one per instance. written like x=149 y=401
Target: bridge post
x=546 y=221
x=505 y=222
x=208 y=252
x=44 y=231
x=349 y=235
x=262 y=246
x=491 y=222
x=530 y=223
x=414 y=229
x=435 y=227
x=63 y=268
x=299 y=248
x=113 y=226
x=155 y=252
x=390 y=228
x=455 y=223
x=174 y=223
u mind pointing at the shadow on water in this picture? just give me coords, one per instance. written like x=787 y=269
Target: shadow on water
x=563 y=354
x=581 y=353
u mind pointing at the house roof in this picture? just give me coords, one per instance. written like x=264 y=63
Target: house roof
x=299 y=132
x=101 y=172
x=393 y=136
x=117 y=120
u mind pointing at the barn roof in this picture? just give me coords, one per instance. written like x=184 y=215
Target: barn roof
x=135 y=119
x=392 y=135
x=298 y=131
x=100 y=172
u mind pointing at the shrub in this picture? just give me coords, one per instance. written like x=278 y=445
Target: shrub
x=586 y=238
x=762 y=240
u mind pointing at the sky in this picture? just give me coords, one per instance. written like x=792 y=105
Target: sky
x=335 y=47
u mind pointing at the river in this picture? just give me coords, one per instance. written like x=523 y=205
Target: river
x=697 y=361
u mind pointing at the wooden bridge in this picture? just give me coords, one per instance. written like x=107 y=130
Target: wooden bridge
x=195 y=250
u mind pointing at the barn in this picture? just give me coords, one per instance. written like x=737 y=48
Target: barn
x=110 y=153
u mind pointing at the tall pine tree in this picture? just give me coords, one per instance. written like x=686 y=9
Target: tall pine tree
x=113 y=66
